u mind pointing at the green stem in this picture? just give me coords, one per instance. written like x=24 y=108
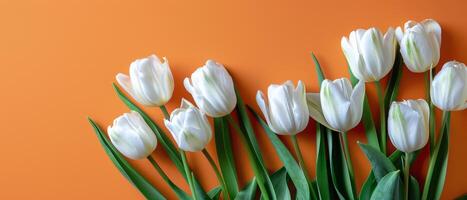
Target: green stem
x=348 y=160
x=382 y=116
x=406 y=175
x=159 y=170
x=165 y=112
x=218 y=173
x=299 y=155
x=252 y=157
x=428 y=77
x=188 y=174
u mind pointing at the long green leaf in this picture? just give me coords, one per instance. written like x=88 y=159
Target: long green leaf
x=436 y=175
x=392 y=88
x=381 y=165
x=339 y=172
x=215 y=193
x=254 y=154
x=322 y=176
x=248 y=192
x=162 y=138
x=368 y=186
x=125 y=168
x=293 y=169
x=387 y=187
x=279 y=180
x=225 y=156
x=414 y=189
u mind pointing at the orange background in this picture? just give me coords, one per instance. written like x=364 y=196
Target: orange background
x=59 y=58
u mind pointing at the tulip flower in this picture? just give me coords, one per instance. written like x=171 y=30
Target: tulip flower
x=369 y=54
x=132 y=136
x=449 y=87
x=189 y=127
x=420 y=44
x=212 y=89
x=287 y=112
x=150 y=81
x=408 y=124
x=337 y=106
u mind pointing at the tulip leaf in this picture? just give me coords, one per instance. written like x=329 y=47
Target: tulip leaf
x=414 y=189
x=392 y=88
x=318 y=69
x=225 y=156
x=339 y=171
x=381 y=165
x=437 y=167
x=254 y=154
x=124 y=166
x=162 y=138
x=214 y=194
x=293 y=168
x=322 y=176
x=368 y=186
x=387 y=187
x=279 y=180
x=367 y=118
x=248 y=192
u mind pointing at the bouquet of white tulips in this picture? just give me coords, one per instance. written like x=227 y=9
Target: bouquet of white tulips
x=338 y=107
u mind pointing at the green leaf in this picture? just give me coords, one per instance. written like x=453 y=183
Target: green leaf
x=392 y=88
x=381 y=165
x=322 y=176
x=339 y=171
x=279 y=180
x=162 y=138
x=367 y=118
x=436 y=175
x=387 y=187
x=214 y=194
x=368 y=187
x=225 y=156
x=414 y=189
x=125 y=168
x=318 y=69
x=293 y=169
x=248 y=192
x=254 y=154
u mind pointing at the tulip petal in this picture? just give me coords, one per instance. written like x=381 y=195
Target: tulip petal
x=356 y=101
x=431 y=26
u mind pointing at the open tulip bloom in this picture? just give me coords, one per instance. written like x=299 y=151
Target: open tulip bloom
x=338 y=107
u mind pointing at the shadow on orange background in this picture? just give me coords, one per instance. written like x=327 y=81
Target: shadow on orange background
x=58 y=60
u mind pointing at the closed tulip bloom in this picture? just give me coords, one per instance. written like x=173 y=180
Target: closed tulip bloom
x=337 y=106
x=189 y=127
x=449 y=87
x=132 y=136
x=150 y=81
x=369 y=54
x=212 y=89
x=420 y=44
x=287 y=112
x=408 y=124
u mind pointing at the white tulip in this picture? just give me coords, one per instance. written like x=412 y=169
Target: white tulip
x=369 y=54
x=132 y=136
x=212 y=89
x=420 y=44
x=287 y=112
x=449 y=87
x=189 y=127
x=408 y=124
x=337 y=106
x=150 y=81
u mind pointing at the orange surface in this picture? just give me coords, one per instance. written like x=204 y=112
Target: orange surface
x=59 y=58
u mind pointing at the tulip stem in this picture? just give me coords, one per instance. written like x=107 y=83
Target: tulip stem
x=218 y=173
x=165 y=112
x=382 y=116
x=428 y=76
x=406 y=175
x=345 y=142
x=298 y=153
x=160 y=171
x=188 y=174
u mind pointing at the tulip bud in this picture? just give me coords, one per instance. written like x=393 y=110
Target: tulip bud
x=408 y=124
x=132 y=136
x=212 y=89
x=189 y=127
x=337 y=106
x=150 y=81
x=420 y=44
x=287 y=112
x=449 y=87
x=369 y=54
